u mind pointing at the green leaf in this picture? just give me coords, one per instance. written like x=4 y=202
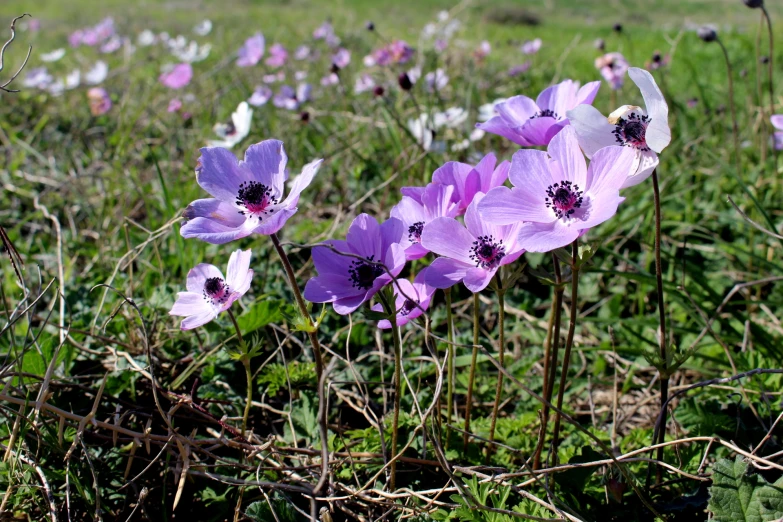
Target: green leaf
x=736 y=496
x=260 y=314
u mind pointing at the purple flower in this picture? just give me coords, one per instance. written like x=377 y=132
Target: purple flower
x=260 y=96
x=76 y=37
x=330 y=79
x=248 y=195
x=302 y=53
x=209 y=293
x=410 y=300
x=556 y=195
x=531 y=123
x=363 y=83
x=516 y=70
x=38 y=78
x=178 y=77
x=278 y=56
x=323 y=31
x=471 y=253
x=482 y=51
x=290 y=99
x=531 y=46
x=469 y=180
x=645 y=131
x=341 y=58
x=252 y=51
x=112 y=45
x=349 y=281
x=396 y=52
x=415 y=212
x=174 y=105
x=777 y=122
x=100 y=102
x=612 y=67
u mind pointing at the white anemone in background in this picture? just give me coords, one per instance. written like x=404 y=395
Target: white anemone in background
x=73 y=80
x=97 y=74
x=452 y=117
x=645 y=130
x=234 y=131
x=53 y=56
x=192 y=52
x=203 y=28
x=488 y=111
x=145 y=38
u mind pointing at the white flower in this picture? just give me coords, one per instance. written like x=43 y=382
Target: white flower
x=421 y=131
x=436 y=80
x=193 y=52
x=53 y=56
x=414 y=74
x=73 y=80
x=203 y=28
x=488 y=111
x=300 y=76
x=97 y=74
x=235 y=131
x=460 y=145
x=644 y=130
x=180 y=42
x=363 y=83
x=443 y=16
x=146 y=38
x=452 y=117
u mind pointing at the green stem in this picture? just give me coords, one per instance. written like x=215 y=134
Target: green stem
x=312 y=334
x=472 y=377
x=449 y=365
x=501 y=356
x=568 y=346
x=397 y=386
x=664 y=382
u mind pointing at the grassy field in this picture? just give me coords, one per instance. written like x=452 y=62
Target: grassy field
x=111 y=412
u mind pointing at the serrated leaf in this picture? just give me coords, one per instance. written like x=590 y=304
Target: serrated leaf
x=260 y=314
x=736 y=496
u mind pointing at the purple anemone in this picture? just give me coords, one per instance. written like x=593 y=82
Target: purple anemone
x=435 y=201
x=469 y=180
x=411 y=300
x=251 y=52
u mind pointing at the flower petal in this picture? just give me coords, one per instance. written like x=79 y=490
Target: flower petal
x=609 y=169
x=445 y=272
x=217 y=210
x=477 y=279
x=446 y=237
x=194 y=321
x=545 y=237
x=190 y=303
x=348 y=305
x=530 y=169
x=567 y=158
x=498 y=125
x=593 y=130
x=238 y=273
x=658 y=135
x=212 y=231
x=327 y=261
x=199 y=274
x=586 y=94
x=364 y=237
x=302 y=181
x=220 y=173
x=644 y=164
x=266 y=162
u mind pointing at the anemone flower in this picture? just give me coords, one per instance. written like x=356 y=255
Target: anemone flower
x=645 y=131
x=482 y=51
x=100 y=103
x=411 y=300
x=612 y=67
x=488 y=110
x=777 y=122
x=248 y=195
x=468 y=180
x=209 y=293
x=252 y=51
x=112 y=45
x=347 y=281
x=422 y=130
x=192 y=52
x=531 y=46
x=97 y=74
x=260 y=96
x=234 y=131
x=288 y=98
x=341 y=58
x=363 y=83
x=53 y=56
x=278 y=56
x=434 y=201
x=175 y=104
x=531 y=123
x=145 y=38
x=516 y=70
x=556 y=195
x=472 y=253
x=203 y=28
x=37 y=78
x=302 y=53
x=451 y=118
x=436 y=80
x=177 y=77
x=330 y=79
x=73 y=79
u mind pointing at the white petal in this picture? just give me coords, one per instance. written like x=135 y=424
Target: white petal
x=658 y=134
x=593 y=131
x=645 y=163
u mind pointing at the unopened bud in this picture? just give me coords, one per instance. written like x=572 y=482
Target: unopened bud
x=707 y=34
x=753 y=4
x=378 y=91
x=405 y=82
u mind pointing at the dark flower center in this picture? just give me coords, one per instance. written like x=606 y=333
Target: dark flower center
x=414 y=232
x=546 y=113
x=364 y=274
x=408 y=306
x=563 y=198
x=231 y=129
x=632 y=131
x=216 y=290
x=256 y=198
x=487 y=253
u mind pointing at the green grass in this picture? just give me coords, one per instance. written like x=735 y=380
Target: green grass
x=116 y=185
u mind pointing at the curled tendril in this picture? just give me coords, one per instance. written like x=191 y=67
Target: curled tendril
x=2 y=55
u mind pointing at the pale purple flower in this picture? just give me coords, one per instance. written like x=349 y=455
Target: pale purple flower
x=260 y=96
x=645 y=131
x=516 y=70
x=273 y=78
x=612 y=67
x=300 y=76
x=531 y=123
x=411 y=300
x=531 y=46
x=278 y=56
x=363 y=83
x=111 y=45
x=178 y=77
x=777 y=122
x=75 y=38
x=341 y=58
x=34 y=25
x=323 y=30
x=209 y=293
x=100 y=103
x=397 y=51
x=472 y=253
x=414 y=73
x=37 y=78
x=349 y=281
x=286 y=98
x=330 y=79
x=248 y=195
x=482 y=51
x=302 y=53
x=174 y=105
x=97 y=74
x=556 y=195
x=436 y=80
x=441 y=44
x=468 y=180
x=432 y=202
x=252 y=51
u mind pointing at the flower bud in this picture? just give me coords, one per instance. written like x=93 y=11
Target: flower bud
x=405 y=82
x=369 y=26
x=753 y=4
x=378 y=91
x=707 y=34
x=617 y=28
x=334 y=69
x=305 y=116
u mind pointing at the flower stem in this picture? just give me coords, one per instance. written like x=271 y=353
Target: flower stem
x=546 y=383
x=248 y=373
x=734 y=124
x=501 y=356
x=472 y=377
x=760 y=92
x=664 y=382
x=319 y=364
x=397 y=387
x=449 y=365
x=771 y=73
x=568 y=346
